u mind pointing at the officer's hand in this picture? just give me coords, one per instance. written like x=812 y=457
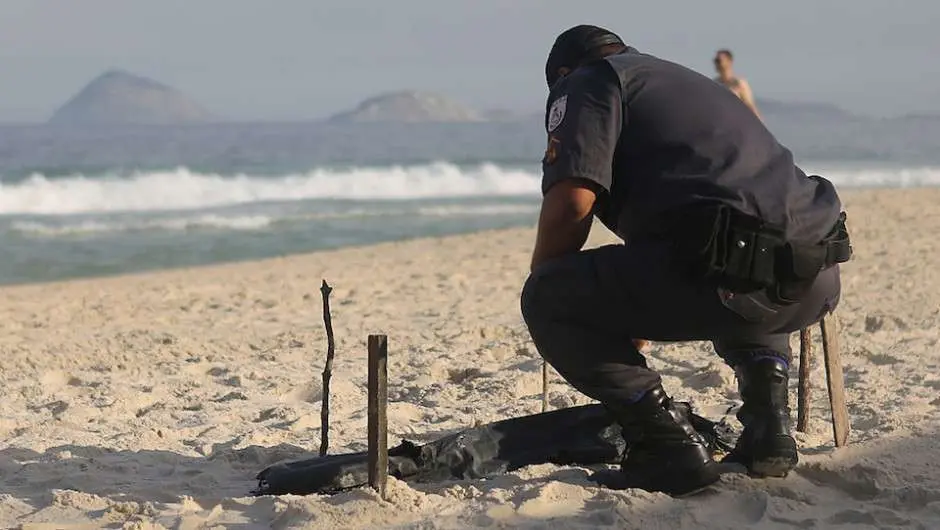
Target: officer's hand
x=641 y=344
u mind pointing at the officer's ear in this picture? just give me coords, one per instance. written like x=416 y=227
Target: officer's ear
x=563 y=71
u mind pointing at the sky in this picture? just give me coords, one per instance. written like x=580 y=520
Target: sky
x=306 y=59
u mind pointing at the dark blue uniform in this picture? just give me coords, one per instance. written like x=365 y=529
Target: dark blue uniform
x=655 y=139
x=726 y=240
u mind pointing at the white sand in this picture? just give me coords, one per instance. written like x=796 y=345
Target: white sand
x=151 y=401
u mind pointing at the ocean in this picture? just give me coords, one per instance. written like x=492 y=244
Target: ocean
x=104 y=201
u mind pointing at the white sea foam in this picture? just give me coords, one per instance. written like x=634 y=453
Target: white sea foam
x=235 y=222
x=183 y=189
x=69 y=226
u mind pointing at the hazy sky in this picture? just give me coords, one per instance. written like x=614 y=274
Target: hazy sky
x=297 y=59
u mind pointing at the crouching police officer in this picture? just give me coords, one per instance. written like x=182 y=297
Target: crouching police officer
x=726 y=240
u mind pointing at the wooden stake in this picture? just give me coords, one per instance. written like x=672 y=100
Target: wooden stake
x=803 y=385
x=325 y=291
x=378 y=421
x=834 y=379
x=544 y=386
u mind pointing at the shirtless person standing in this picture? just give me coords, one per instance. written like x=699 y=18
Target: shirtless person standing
x=724 y=65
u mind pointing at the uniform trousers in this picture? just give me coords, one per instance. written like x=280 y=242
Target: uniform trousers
x=584 y=309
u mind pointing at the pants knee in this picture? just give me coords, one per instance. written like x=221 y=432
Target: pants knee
x=530 y=300
x=564 y=289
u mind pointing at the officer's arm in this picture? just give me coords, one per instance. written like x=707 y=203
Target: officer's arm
x=583 y=132
x=565 y=220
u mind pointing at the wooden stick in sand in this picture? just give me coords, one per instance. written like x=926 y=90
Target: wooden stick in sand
x=377 y=418
x=544 y=386
x=325 y=291
x=803 y=385
x=834 y=379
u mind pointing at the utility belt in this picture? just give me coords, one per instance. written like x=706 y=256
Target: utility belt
x=744 y=254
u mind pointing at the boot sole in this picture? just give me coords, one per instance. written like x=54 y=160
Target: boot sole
x=776 y=459
x=777 y=467
x=779 y=458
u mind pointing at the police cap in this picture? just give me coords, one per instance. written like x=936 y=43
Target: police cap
x=574 y=46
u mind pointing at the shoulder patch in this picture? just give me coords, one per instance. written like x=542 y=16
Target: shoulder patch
x=557 y=112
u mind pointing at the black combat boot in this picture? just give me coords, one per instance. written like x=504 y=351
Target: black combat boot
x=664 y=452
x=765 y=447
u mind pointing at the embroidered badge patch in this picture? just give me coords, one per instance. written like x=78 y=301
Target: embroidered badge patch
x=557 y=112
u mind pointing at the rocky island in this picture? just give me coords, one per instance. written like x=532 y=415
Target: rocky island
x=121 y=98
x=408 y=107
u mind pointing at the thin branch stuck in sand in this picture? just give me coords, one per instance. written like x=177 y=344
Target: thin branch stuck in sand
x=325 y=291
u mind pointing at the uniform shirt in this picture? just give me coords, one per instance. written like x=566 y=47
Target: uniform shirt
x=653 y=137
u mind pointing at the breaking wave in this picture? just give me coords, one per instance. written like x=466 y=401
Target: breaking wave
x=183 y=189
x=69 y=226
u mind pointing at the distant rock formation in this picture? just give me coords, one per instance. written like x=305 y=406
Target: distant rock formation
x=117 y=97
x=408 y=107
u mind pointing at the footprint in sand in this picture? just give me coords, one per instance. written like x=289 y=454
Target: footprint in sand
x=55 y=380
x=881 y=359
x=310 y=392
x=461 y=375
x=878 y=518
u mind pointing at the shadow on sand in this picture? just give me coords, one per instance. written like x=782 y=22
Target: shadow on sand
x=145 y=476
x=892 y=482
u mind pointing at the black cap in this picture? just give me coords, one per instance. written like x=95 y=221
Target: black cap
x=575 y=45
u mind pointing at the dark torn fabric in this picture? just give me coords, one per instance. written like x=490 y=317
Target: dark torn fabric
x=585 y=435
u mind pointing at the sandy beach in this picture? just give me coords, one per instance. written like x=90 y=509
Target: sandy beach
x=151 y=401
